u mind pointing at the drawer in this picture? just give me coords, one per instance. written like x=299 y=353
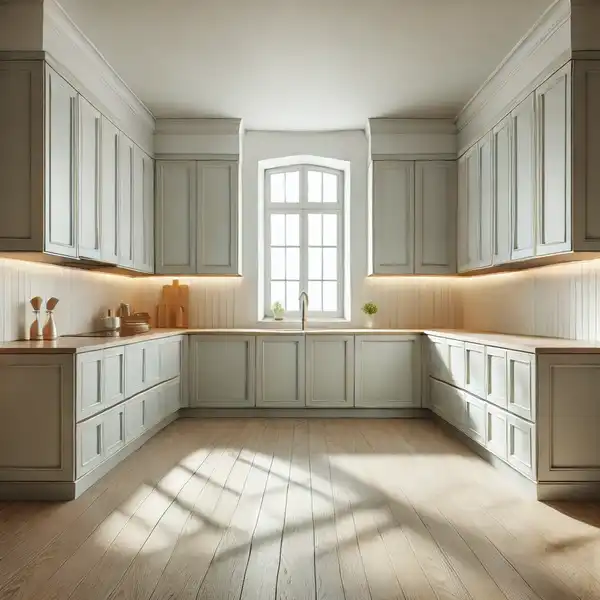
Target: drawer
x=170 y=358
x=456 y=363
x=521 y=384
x=474 y=418
x=89 y=450
x=496 y=431
x=113 y=373
x=520 y=445
x=447 y=402
x=113 y=430
x=170 y=397
x=495 y=376
x=475 y=369
x=142 y=367
x=438 y=357
x=135 y=417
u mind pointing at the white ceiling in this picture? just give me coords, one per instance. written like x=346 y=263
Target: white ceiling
x=304 y=64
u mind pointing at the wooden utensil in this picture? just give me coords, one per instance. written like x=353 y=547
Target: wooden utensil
x=173 y=309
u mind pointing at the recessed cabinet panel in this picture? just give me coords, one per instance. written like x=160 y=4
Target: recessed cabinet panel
x=114 y=430
x=484 y=252
x=90 y=445
x=113 y=371
x=502 y=192
x=475 y=369
x=496 y=431
x=138 y=209
x=473 y=208
x=521 y=445
x=521 y=384
x=126 y=200
x=495 y=375
x=169 y=357
x=89 y=384
x=456 y=363
x=474 y=418
x=135 y=413
x=109 y=192
x=438 y=358
x=147 y=261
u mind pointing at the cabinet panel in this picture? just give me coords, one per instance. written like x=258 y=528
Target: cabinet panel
x=126 y=201
x=113 y=425
x=484 y=250
x=90 y=449
x=475 y=369
x=456 y=363
x=280 y=363
x=142 y=366
x=462 y=226
x=387 y=371
x=222 y=370
x=448 y=402
x=138 y=225
x=496 y=431
x=61 y=167
x=502 y=192
x=89 y=180
x=393 y=217
x=89 y=384
x=329 y=371
x=521 y=445
x=109 y=192
x=474 y=418
x=113 y=374
x=473 y=208
x=176 y=217
x=438 y=358
x=170 y=394
x=524 y=180
x=170 y=358
x=217 y=206
x=521 y=384
x=435 y=217
x=135 y=417
x=495 y=376
x=553 y=233
x=147 y=262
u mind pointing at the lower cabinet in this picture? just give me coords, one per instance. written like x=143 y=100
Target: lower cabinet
x=520 y=445
x=280 y=362
x=474 y=418
x=329 y=371
x=222 y=369
x=495 y=431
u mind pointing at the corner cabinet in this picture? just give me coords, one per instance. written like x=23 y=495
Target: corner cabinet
x=197 y=219
x=413 y=217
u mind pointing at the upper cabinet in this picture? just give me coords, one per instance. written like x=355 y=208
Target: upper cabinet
x=414 y=217
x=109 y=193
x=197 y=217
x=501 y=191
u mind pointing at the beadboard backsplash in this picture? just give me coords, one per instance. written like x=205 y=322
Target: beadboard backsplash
x=83 y=296
x=556 y=301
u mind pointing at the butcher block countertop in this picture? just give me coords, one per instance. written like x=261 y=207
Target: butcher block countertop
x=534 y=345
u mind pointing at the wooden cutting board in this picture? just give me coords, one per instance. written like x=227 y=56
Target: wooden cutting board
x=174 y=306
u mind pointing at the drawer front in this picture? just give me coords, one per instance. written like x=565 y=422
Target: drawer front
x=151 y=374
x=474 y=418
x=89 y=451
x=152 y=408
x=89 y=384
x=456 y=363
x=170 y=359
x=135 y=413
x=134 y=369
x=447 y=402
x=521 y=385
x=495 y=376
x=438 y=358
x=496 y=431
x=521 y=445
x=113 y=373
x=170 y=398
x=113 y=430
x=475 y=369
x=437 y=398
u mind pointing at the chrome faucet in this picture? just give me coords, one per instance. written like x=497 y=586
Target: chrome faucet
x=303 y=308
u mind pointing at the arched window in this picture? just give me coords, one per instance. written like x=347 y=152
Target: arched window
x=304 y=245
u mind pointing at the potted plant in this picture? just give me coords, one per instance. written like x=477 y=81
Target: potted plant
x=370 y=310
x=278 y=311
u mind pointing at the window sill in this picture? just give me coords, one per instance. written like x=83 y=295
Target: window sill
x=270 y=323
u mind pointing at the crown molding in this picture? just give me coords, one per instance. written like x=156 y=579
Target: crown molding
x=71 y=52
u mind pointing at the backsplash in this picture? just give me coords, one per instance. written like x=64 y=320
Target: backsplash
x=556 y=301
x=84 y=296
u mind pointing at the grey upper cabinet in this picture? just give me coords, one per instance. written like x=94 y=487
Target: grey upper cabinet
x=502 y=191
x=142 y=224
x=435 y=217
x=126 y=200
x=61 y=166
x=393 y=217
x=553 y=99
x=484 y=242
x=90 y=127
x=109 y=193
x=197 y=217
x=524 y=180
x=147 y=262
x=472 y=209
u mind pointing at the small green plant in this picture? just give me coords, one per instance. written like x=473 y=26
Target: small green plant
x=370 y=308
x=278 y=310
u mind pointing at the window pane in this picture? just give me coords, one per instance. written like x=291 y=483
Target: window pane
x=314 y=186
x=277 y=263
x=277 y=187
x=293 y=291
x=292 y=187
x=330 y=296
x=292 y=230
x=314 y=295
x=329 y=263
x=292 y=263
x=315 y=270
x=314 y=230
x=277 y=230
x=330 y=191
x=278 y=292
x=330 y=223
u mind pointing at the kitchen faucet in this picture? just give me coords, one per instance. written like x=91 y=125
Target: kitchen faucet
x=303 y=308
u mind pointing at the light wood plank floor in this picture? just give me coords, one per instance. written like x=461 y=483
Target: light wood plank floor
x=301 y=509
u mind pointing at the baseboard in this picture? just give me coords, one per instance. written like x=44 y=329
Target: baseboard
x=568 y=490
x=303 y=413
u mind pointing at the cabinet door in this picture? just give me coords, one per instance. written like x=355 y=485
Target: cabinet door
x=217 y=205
x=435 y=217
x=176 y=217
x=113 y=430
x=89 y=180
x=109 y=192
x=89 y=378
x=502 y=191
x=169 y=356
x=521 y=394
x=455 y=371
x=138 y=227
x=61 y=166
x=496 y=431
x=280 y=362
x=90 y=445
x=171 y=397
x=474 y=418
x=495 y=376
x=142 y=367
x=329 y=370
x=484 y=249
x=473 y=208
x=148 y=258
x=521 y=445
x=222 y=370
x=135 y=417
x=462 y=226
x=113 y=374
x=475 y=369
x=387 y=371
x=523 y=180
x=554 y=232
x=126 y=173
x=393 y=217
x=438 y=358
x=437 y=398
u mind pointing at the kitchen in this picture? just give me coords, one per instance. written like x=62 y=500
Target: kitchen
x=266 y=417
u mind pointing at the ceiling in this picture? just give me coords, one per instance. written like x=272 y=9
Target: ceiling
x=304 y=64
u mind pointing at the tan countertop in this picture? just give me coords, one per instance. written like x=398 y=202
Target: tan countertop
x=535 y=345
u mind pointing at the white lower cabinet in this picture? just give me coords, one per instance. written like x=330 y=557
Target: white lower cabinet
x=475 y=369
x=222 y=371
x=169 y=357
x=496 y=431
x=521 y=445
x=170 y=398
x=113 y=429
x=387 y=371
x=521 y=384
x=474 y=418
x=329 y=371
x=89 y=449
x=495 y=376
x=280 y=371
x=142 y=367
x=136 y=414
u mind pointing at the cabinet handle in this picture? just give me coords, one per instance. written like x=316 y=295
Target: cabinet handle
x=99 y=439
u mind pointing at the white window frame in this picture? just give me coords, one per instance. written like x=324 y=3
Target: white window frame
x=303 y=208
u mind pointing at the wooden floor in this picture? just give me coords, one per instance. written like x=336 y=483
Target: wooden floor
x=300 y=509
